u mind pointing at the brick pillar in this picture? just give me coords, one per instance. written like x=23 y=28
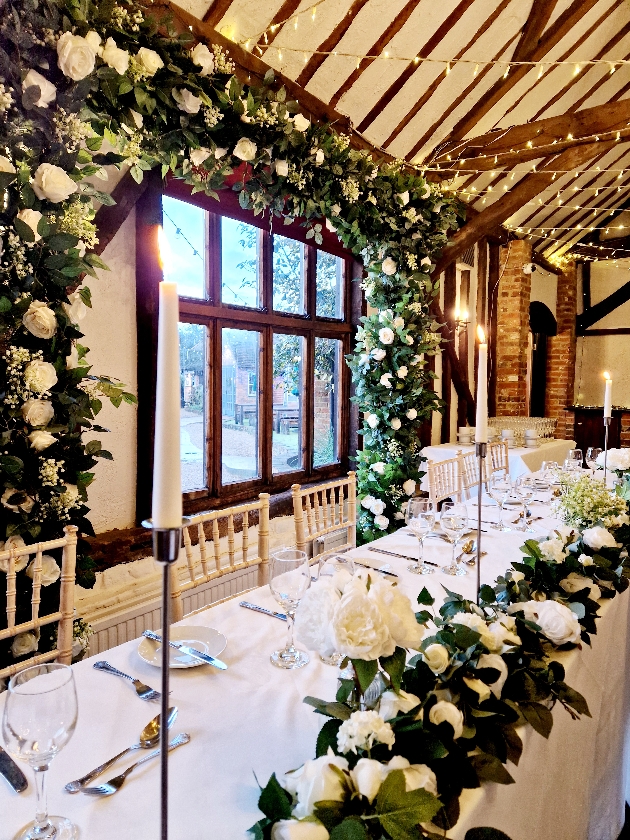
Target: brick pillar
x=512 y=331
x=561 y=355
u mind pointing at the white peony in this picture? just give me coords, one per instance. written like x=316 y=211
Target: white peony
x=76 y=55
x=300 y=123
x=114 y=57
x=40 y=440
x=378 y=506
x=378 y=467
x=386 y=335
x=493 y=660
x=367 y=502
x=389 y=266
x=575 y=582
x=618 y=459
x=202 y=56
x=437 y=658
x=186 y=100
x=40 y=320
x=446 y=711
x=47 y=91
x=556 y=621
x=381 y=522
x=412 y=414
x=598 y=537
x=403 y=198
x=477 y=623
x=396 y=609
x=391 y=703
x=416 y=775
x=315 y=781
x=52 y=183
x=245 y=149
x=31 y=218
x=362 y=730
x=378 y=354
x=372 y=420
x=282 y=168
x=553 y=550
x=385 y=380
x=24 y=643
x=76 y=310
x=50 y=571
x=368 y=776
x=298 y=830
x=360 y=631
x=39 y=376
x=150 y=60
x=14 y=541
x=319 y=157
x=396 y=423
x=313 y=620
x=402 y=372
x=21 y=501
x=409 y=487
x=37 y=412
x=197 y=156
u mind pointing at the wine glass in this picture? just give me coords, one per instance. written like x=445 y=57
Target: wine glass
x=454 y=521
x=577 y=456
x=421 y=513
x=499 y=487
x=289 y=578
x=39 y=717
x=592 y=454
x=548 y=470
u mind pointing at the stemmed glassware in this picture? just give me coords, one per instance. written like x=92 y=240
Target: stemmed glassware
x=592 y=454
x=454 y=521
x=499 y=488
x=577 y=456
x=40 y=715
x=289 y=578
x=421 y=519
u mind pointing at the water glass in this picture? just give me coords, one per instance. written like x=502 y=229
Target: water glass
x=499 y=488
x=592 y=454
x=40 y=715
x=577 y=456
x=289 y=578
x=421 y=519
x=548 y=471
x=454 y=522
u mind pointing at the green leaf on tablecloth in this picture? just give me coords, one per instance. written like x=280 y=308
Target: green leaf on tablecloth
x=257 y=830
x=514 y=744
x=485 y=834
x=394 y=665
x=399 y=810
x=490 y=769
x=327 y=737
x=365 y=670
x=487 y=594
x=344 y=691
x=351 y=828
x=274 y=801
x=425 y=598
x=538 y=716
x=334 y=710
x=574 y=699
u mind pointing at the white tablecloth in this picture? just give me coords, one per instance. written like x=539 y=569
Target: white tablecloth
x=251 y=719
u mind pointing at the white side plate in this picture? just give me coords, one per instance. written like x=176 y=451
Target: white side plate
x=204 y=639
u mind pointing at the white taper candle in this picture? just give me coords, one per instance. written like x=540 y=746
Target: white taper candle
x=481 y=422
x=608 y=396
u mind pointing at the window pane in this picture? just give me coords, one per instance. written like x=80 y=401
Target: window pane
x=326 y=401
x=240 y=252
x=239 y=406
x=185 y=228
x=192 y=356
x=288 y=275
x=330 y=271
x=288 y=389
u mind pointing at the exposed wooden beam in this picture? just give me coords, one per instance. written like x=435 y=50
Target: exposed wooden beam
x=544 y=263
x=611 y=331
x=534 y=27
x=109 y=218
x=604 y=307
x=216 y=12
x=288 y=8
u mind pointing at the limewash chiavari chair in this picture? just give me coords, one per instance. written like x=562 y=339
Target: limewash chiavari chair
x=210 y=559
x=325 y=510
x=445 y=480
x=497 y=459
x=469 y=473
x=65 y=615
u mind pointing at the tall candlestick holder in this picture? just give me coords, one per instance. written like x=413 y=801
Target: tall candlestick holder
x=166 y=545
x=606 y=425
x=481 y=450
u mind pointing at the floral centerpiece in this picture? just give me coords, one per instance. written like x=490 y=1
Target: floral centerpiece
x=584 y=502
x=617 y=460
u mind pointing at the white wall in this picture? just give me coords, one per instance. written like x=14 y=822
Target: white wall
x=110 y=333
x=545 y=288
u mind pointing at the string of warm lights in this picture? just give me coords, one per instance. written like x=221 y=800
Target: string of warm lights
x=474 y=193
x=274 y=27
x=568 y=243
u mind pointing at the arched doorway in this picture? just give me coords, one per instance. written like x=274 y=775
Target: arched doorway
x=542 y=324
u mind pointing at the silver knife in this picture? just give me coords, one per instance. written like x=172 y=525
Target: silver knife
x=196 y=654
x=256 y=608
x=396 y=554
x=374 y=568
x=12 y=773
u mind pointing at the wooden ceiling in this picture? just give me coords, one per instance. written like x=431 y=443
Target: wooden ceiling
x=418 y=111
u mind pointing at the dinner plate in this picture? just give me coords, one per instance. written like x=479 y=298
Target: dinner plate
x=204 y=639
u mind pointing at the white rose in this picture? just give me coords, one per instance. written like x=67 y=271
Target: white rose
x=314 y=782
x=220 y=152
x=378 y=354
x=14 y=541
x=245 y=149
x=437 y=658
x=586 y=560
x=416 y=775
x=409 y=487
x=396 y=423
x=368 y=776
x=202 y=56
x=372 y=420
x=396 y=609
x=362 y=730
x=6 y=166
x=300 y=123
x=297 y=830
x=47 y=91
x=409 y=339
x=114 y=57
x=76 y=56
x=598 y=537
x=381 y=522
x=282 y=168
x=52 y=183
x=386 y=335
x=399 y=322
x=478 y=624
x=38 y=412
x=150 y=60
x=94 y=40
x=556 y=621
x=412 y=414
x=186 y=100
x=359 y=628
x=425 y=261
x=39 y=376
x=31 y=218
x=445 y=711
x=24 y=643
x=76 y=310
x=553 y=550
x=378 y=467
x=618 y=459
x=50 y=570
x=493 y=660
x=367 y=502
x=391 y=703
x=389 y=266
x=574 y=583
x=479 y=687
x=403 y=198
x=319 y=157
x=40 y=320
x=22 y=502
x=40 y=440
x=378 y=506
x=402 y=372
x=197 y=156
x=385 y=380
x=313 y=620
x=501 y=633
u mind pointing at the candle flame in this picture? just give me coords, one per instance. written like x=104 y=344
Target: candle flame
x=481 y=334
x=164 y=251
x=607 y=376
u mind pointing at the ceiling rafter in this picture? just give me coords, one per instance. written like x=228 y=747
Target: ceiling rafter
x=288 y=8
x=534 y=27
x=216 y=12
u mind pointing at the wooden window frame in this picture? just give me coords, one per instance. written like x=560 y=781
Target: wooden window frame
x=215 y=315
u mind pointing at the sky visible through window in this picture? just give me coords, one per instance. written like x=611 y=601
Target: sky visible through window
x=185 y=229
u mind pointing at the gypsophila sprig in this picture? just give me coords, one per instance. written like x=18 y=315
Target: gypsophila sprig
x=585 y=502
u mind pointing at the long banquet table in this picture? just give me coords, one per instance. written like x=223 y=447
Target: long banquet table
x=251 y=720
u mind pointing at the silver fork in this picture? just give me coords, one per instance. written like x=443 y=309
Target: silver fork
x=110 y=787
x=144 y=692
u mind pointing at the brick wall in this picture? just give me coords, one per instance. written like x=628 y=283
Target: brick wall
x=512 y=330
x=561 y=355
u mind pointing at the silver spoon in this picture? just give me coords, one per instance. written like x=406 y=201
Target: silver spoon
x=470 y=548
x=149 y=737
